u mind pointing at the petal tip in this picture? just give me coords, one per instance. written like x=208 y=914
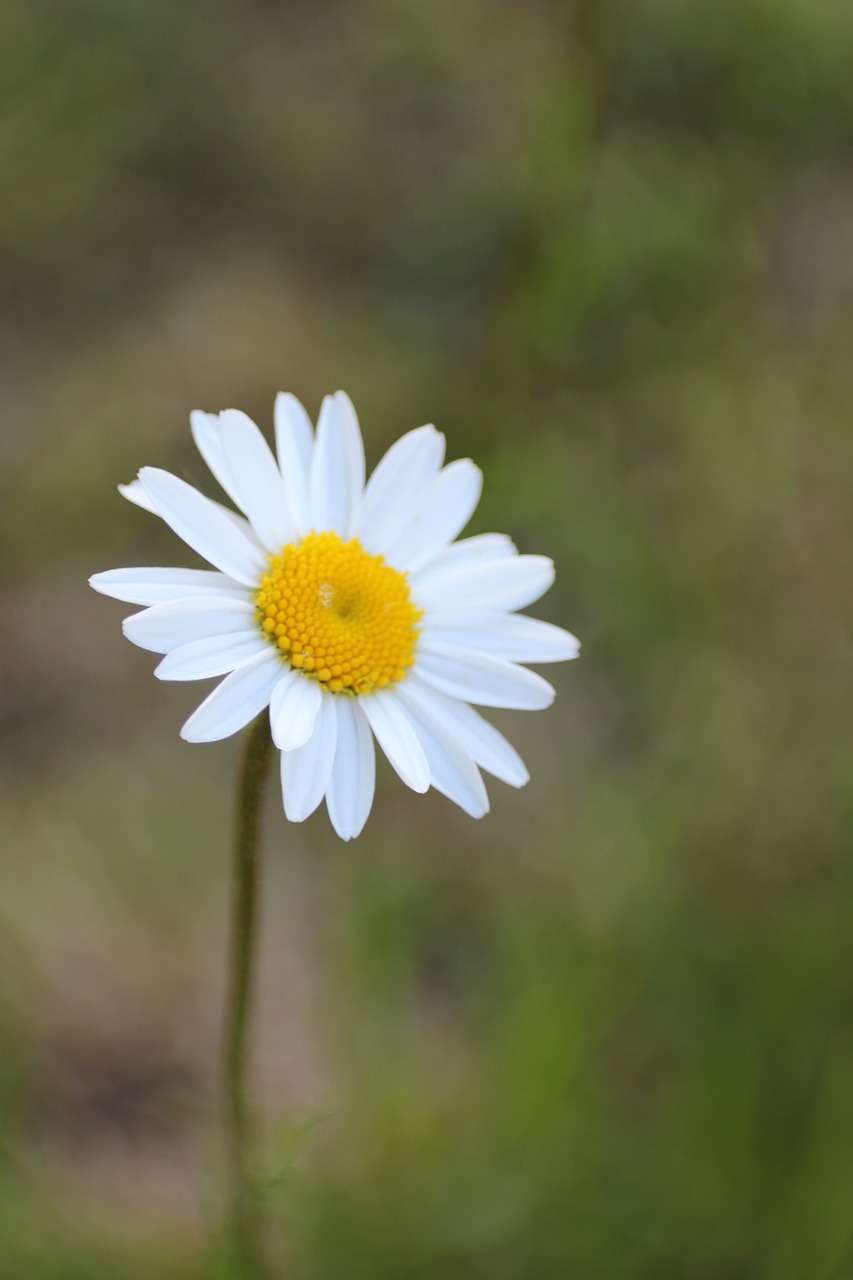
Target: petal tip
x=287 y=400
x=135 y=492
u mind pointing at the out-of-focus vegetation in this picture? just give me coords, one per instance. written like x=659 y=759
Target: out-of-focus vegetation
x=607 y=1033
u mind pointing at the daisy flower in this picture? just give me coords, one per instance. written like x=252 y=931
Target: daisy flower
x=345 y=607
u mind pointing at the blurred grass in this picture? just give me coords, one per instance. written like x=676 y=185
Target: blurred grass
x=606 y=247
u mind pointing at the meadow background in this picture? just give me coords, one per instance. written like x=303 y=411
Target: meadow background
x=607 y=247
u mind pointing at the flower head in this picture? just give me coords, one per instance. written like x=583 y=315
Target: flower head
x=345 y=607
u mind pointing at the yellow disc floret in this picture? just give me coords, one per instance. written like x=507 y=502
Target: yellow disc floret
x=339 y=614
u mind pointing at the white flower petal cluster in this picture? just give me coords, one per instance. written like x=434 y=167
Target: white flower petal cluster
x=467 y=641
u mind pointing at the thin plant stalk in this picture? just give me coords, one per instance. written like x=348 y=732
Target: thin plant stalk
x=242 y=1215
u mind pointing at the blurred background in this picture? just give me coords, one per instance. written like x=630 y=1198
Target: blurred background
x=607 y=247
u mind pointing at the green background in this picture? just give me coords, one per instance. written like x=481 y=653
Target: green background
x=607 y=247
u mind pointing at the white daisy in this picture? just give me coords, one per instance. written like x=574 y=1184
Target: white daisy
x=346 y=608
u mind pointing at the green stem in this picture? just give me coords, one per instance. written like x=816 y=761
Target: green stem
x=242 y=1220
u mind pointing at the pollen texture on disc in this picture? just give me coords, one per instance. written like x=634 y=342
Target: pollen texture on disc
x=339 y=614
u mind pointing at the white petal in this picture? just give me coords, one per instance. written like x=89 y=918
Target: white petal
x=479 y=678
x=446 y=509
x=337 y=467
x=452 y=770
x=486 y=746
x=397 y=738
x=239 y=522
x=204 y=526
x=353 y=447
x=236 y=701
x=294 y=705
x=294 y=445
x=154 y=586
x=350 y=791
x=499 y=585
x=165 y=626
x=207 y=434
x=397 y=486
x=479 y=550
x=212 y=656
x=507 y=635
x=305 y=772
x=257 y=484
x=135 y=493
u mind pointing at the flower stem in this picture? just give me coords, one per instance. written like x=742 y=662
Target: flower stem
x=243 y=1226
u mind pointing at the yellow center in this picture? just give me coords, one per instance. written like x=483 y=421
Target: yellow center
x=342 y=616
